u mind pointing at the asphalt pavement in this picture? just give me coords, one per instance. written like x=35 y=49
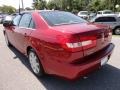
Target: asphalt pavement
x=15 y=73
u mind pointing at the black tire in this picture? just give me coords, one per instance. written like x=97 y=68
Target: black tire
x=117 y=31
x=7 y=40
x=39 y=72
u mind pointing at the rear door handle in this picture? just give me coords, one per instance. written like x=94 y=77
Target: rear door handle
x=25 y=35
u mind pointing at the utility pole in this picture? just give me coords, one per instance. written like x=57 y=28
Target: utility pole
x=19 y=6
x=22 y=4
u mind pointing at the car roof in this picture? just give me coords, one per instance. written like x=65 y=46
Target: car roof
x=107 y=15
x=31 y=11
x=104 y=10
x=100 y=11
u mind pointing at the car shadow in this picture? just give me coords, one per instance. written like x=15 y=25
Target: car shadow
x=107 y=78
x=21 y=57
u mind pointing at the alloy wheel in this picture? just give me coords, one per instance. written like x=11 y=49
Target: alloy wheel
x=34 y=62
x=117 y=31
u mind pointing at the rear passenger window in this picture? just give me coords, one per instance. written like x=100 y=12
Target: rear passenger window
x=100 y=19
x=32 y=24
x=25 y=20
x=16 y=20
x=105 y=19
x=111 y=19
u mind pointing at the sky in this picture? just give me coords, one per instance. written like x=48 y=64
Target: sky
x=15 y=3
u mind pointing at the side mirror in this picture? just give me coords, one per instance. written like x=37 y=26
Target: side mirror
x=7 y=22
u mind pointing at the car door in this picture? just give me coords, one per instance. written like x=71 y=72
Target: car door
x=23 y=32
x=11 y=31
x=111 y=21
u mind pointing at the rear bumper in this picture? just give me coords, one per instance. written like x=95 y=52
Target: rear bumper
x=75 y=70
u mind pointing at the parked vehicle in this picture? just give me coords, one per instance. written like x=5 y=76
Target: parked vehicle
x=118 y=14
x=14 y=14
x=105 y=12
x=86 y=15
x=91 y=16
x=59 y=43
x=83 y=14
x=112 y=20
x=1 y=17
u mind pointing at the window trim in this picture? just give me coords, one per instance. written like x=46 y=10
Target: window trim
x=30 y=23
x=27 y=28
x=21 y=18
x=18 y=21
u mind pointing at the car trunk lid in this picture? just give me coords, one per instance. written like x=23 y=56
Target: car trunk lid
x=85 y=38
x=102 y=39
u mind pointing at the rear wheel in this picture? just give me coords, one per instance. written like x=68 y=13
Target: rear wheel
x=7 y=40
x=117 y=31
x=35 y=63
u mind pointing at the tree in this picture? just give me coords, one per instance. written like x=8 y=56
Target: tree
x=95 y=5
x=39 y=4
x=103 y=4
x=77 y=5
x=7 y=9
x=51 y=5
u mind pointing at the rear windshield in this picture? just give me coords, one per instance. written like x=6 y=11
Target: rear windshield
x=54 y=18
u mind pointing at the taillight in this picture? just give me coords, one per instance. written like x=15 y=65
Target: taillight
x=75 y=44
x=88 y=42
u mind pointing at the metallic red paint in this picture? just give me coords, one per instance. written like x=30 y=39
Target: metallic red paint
x=55 y=59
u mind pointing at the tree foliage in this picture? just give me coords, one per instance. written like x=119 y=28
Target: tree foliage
x=77 y=5
x=7 y=9
x=40 y=4
x=28 y=8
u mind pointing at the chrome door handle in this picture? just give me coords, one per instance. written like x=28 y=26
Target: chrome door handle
x=25 y=35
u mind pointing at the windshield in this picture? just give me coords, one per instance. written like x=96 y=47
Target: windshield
x=54 y=18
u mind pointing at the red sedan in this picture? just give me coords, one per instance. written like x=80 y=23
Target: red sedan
x=59 y=43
